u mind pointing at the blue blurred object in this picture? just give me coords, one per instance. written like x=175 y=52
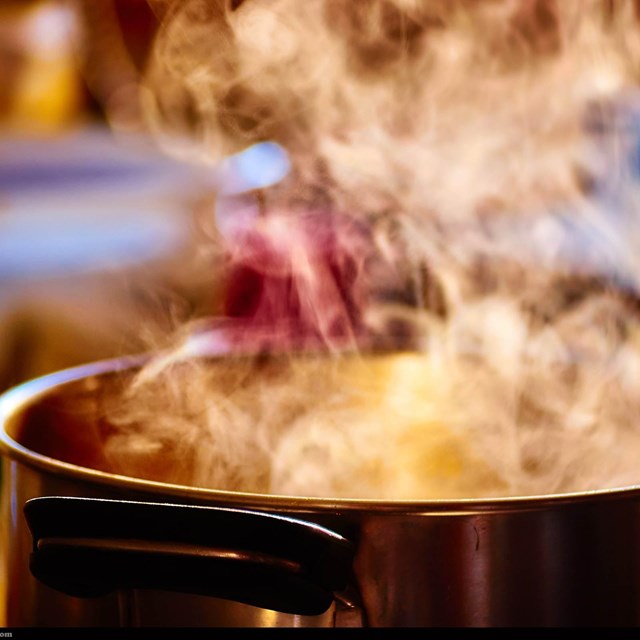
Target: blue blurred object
x=89 y=161
x=87 y=202
x=53 y=241
x=262 y=165
x=257 y=167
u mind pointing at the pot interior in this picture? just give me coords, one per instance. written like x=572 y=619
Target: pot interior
x=67 y=422
x=310 y=427
x=154 y=430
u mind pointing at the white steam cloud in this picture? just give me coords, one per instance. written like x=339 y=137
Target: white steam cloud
x=490 y=150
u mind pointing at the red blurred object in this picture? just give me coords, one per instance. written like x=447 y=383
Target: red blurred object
x=297 y=281
x=117 y=42
x=139 y=24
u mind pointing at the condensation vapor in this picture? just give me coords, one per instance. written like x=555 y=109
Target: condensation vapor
x=491 y=146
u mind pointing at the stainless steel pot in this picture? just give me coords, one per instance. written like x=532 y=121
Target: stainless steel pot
x=86 y=547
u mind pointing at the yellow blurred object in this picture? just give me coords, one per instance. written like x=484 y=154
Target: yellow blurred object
x=382 y=427
x=423 y=457
x=41 y=89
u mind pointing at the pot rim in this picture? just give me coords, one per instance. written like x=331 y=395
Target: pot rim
x=29 y=392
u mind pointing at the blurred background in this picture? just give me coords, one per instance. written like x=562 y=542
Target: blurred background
x=102 y=236
x=104 y=239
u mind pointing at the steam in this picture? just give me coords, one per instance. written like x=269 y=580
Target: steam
x=489 y=150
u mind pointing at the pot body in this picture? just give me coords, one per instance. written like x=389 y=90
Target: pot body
x=31 y=603
x=571 y=560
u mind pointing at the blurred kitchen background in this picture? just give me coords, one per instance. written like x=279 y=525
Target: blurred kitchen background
x=104 y=239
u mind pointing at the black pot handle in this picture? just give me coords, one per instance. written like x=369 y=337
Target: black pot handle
x=88 y=547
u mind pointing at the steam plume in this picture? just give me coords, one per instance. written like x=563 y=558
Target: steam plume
x=489 y=147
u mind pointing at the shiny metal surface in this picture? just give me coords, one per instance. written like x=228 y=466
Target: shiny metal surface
x=566 y=560
x=29 y=603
